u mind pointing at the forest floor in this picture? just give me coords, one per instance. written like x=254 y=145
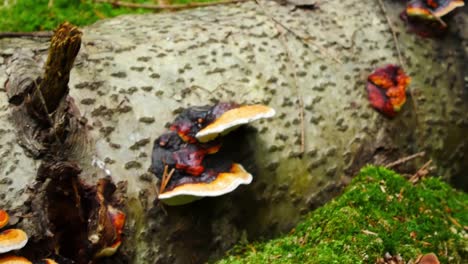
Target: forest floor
x=380 y=214
x=37 y=15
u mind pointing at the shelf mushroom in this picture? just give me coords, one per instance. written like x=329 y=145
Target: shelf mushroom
x=432 y=9
x=212 y=184
x=14 y=260
x=232 y=119
x=424 y=17
x=10 y=239
x=21 y=260
x=187 y=161
x=386 y=88
x=4 y=218
x=203 y=124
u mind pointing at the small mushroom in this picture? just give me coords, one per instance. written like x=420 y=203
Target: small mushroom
x=430 y=258
x=117 y=219
x=105 y=221
x=386 y=89
x=14 y=260
x=232 y=119
x=222 y=183
x=12 y=239
x=4 y=218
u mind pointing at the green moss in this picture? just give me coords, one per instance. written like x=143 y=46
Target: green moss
x=35 y=15
x=379 y=212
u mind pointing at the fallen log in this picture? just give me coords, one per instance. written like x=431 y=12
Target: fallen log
x=133 y=74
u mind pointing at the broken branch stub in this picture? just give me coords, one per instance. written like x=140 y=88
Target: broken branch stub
x=63 y=50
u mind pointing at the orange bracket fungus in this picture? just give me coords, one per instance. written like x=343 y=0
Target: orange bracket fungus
x=205 y=123
x=10 y=239
x=188 y=160
x=14 y=260
x=432 y=9
x=232 y=119
x=4 y=218
x=386 y=88
x=424 y=17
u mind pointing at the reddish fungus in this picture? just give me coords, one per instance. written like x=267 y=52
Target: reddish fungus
x=12 y=239
x=106 y=222
x=432 y=9
x=169 y=149
x=216 y=184
x=14 y=260
x=386 y=89
x=4 y=218
x=190 y=152
x=424 y=17
x=193 y=119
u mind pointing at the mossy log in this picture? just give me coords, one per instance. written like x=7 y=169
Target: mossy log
x=133 y=74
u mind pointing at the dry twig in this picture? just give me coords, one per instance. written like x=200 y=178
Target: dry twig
x=299 y=96
x=306 y=40
x=392 y=29
x=170 y=7
x=405 y=159
x=165 y=178
x=421 y=173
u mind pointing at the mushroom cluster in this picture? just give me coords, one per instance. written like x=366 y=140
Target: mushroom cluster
x=424 y=17
x=386 y=88
x=14 y=239
x=185 y=159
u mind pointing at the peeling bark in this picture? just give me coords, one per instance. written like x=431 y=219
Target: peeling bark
x=134 y=73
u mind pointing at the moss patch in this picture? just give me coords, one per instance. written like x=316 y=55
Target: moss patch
x=35 y=15
x=379 y=212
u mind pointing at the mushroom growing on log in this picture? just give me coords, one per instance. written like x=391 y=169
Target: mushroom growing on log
x=134 y=74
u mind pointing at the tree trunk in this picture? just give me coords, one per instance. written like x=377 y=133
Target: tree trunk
x=133 y=74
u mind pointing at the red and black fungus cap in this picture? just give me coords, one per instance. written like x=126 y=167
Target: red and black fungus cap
x=432 y=9
x=193 y=119
x=386 y=88
x=170 y=150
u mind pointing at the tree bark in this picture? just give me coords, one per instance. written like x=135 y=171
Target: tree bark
x=135 y=73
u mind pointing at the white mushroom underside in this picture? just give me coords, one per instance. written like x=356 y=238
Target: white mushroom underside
x=211 y=132
x=13 y=246
x=224 y=183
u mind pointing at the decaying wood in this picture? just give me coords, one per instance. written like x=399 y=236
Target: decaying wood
x=53 y=86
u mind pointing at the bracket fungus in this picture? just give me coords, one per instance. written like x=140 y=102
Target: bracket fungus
x=10 y=239
x=4 y=218
x=14 y=260
x=22 y=260
x=386 y=88
x=188 y=160
x=232 y=119
x=432 y=9
x=424 y=17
